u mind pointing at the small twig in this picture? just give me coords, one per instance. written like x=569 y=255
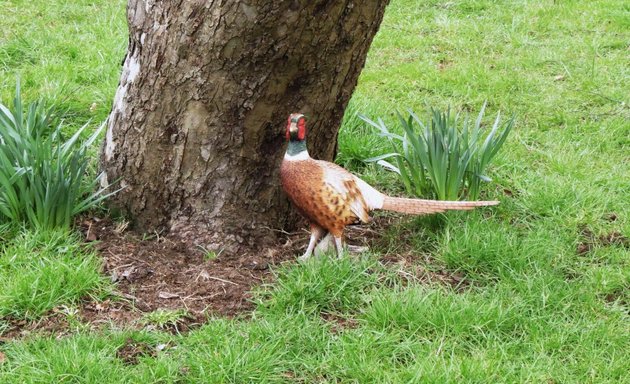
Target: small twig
x=220 y=279
x=207 y=297
x=183 y=300
x=276 y=230
x=408 y=275
x=87 y=233
x=122 y=266
x=128 y=296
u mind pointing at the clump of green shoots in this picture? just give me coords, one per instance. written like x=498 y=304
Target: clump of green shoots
x=42 y=174
x=164 y=319
x=444 y=157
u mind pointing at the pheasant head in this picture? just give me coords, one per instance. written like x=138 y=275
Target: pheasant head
x=296 y=127
x=296 y=135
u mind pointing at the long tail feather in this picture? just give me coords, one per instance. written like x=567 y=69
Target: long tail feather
x=419 y=206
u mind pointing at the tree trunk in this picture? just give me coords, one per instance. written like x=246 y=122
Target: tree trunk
x=196 y=132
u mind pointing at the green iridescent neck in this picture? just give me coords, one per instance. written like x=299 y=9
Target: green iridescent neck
x=295 y=147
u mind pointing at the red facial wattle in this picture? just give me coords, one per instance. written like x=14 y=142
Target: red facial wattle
x=301 y=128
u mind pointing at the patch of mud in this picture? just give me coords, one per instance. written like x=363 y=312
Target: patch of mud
x=590 y=241
x=158 y=273
x=131 y=352
x=161 y=274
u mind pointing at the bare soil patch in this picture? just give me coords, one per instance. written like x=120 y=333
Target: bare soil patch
x=156 y=272
x=163 y=273
x=131 y=352
x=589 y=240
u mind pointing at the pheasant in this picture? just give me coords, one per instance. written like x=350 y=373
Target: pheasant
x=331 y=198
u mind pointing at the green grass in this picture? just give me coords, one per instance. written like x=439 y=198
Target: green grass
x=66 y=51
x=45 y=269
x=533 y=310
x=327 y=285
x=163 y=319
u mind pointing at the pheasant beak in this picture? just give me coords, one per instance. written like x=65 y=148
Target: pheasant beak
x=293 y=128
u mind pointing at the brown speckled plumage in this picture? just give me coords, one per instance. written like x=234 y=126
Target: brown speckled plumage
x=317 y=201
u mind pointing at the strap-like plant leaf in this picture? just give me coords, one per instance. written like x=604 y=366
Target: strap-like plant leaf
x=389 y=166
x=381 y=157
x=445 y=157
x=42 y=177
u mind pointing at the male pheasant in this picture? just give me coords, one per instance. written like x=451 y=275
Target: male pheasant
x=331 y=198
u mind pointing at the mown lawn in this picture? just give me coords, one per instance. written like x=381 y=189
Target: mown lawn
x=547 y=272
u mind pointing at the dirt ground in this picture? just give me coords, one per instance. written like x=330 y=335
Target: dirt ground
x=158 y=273
x=162 y=273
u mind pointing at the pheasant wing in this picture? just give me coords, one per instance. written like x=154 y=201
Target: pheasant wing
x=356 y=193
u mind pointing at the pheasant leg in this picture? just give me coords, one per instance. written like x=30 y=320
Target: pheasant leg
x=338 y=246
x=324 y=245
x=316 y=233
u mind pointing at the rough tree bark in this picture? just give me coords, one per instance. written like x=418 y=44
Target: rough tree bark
x=196 y=132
